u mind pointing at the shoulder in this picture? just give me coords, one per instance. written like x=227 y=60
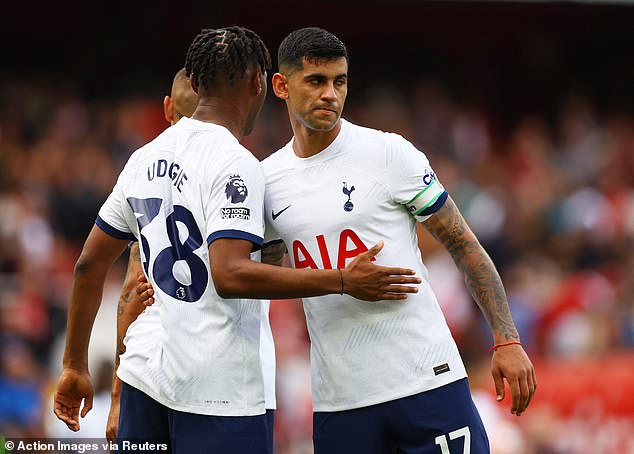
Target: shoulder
x=241 y=154
x=160 y=142
x=138 y=157
x=217 y=149
x=373 y=139
x=239 y=159
x=276 y=159
x=398 y=148
x=379 y=148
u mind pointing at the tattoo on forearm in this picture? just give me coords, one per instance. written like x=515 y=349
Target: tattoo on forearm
x=123 y=304
x=482 y=279
x=274 y=254
x=134 y=252
x=124 y=300
x=120 y=351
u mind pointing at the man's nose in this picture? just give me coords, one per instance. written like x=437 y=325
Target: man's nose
x=329 y=93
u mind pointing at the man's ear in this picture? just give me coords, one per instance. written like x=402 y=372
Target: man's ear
x=193 y=85
x=280 y=85
x=168 y=109
x=258 y=82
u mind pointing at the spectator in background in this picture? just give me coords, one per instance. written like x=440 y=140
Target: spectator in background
x=21 y=384
x=33 y=164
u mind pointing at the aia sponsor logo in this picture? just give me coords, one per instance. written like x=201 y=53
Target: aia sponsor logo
x=350 y=245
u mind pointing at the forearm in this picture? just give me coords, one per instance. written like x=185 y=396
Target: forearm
x=250 y=279
x=129 y=307
x=117 y=384
x=236 y=276
x=84 y=304
x=99 y=252
x=479 y=273
x=485 y=285
x=273 y=254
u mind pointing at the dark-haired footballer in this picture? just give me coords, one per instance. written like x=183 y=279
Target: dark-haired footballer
x=193 y=198
x=386 y=378
x=180 y=103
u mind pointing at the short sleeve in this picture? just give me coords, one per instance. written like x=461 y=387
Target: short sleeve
x=236 y=202
x=411 y=180
x=111 y=218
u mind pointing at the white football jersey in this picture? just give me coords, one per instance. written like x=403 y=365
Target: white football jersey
x=191 y=185
x=365 y=187
x=267 y=357
x=267 y=350
x=148 y=324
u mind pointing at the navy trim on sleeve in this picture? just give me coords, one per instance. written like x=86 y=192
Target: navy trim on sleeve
x=110 y=230
x=436 y=206
x=236 y=234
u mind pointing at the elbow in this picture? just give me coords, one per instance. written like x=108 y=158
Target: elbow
x=231 y=277
x=228 y=284
x=227 y=289
x=83 y=266
x=223 y=292
x=89 y=267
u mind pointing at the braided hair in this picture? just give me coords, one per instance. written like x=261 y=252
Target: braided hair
x=221 y=53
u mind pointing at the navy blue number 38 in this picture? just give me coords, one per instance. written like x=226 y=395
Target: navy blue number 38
x=163 y=269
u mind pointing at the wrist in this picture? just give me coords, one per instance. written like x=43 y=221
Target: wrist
x=495 y=347
x=74 y=365
x=342 y=289
x=506 y=337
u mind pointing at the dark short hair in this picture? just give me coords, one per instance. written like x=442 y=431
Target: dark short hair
x=312 y=43
x=220 y=55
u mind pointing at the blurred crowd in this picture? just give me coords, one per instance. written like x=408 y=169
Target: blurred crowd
x=551 y=199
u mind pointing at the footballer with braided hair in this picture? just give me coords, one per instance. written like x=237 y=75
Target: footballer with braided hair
x=194 y=381
x=225 y=52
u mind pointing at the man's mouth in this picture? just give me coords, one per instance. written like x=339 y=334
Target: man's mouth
x=326 y=109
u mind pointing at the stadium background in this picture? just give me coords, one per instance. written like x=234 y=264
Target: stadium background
x=525 y=109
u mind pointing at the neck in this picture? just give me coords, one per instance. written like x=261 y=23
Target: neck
x=220 y=112
x=308 y=142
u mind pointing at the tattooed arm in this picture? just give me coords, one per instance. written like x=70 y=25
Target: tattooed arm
x=128 y=309
x=483 y=281
x=273 y=254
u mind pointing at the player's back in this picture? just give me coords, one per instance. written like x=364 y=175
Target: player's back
x=177 y=194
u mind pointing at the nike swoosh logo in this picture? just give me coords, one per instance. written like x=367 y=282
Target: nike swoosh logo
x=275 y=215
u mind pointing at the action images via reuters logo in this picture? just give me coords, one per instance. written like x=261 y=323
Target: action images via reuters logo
x=81 y=446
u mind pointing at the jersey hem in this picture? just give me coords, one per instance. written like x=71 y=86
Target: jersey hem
x=130 y=380
x=384 y=399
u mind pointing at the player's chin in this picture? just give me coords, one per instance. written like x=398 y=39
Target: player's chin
x=324 y=123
